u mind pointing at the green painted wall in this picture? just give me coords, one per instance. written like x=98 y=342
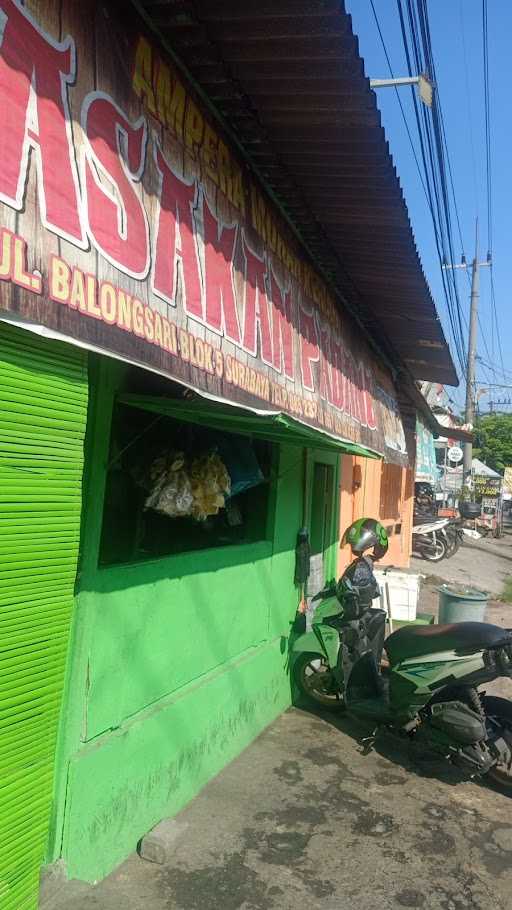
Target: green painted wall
x=122 y=784
x=176 y=665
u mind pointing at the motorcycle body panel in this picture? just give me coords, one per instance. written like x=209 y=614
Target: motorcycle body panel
x=331 y=644
x=433 y=671
x=306 y=643
x=415 y=681
x=322 y=637
x=326 y=608
x=431 y=526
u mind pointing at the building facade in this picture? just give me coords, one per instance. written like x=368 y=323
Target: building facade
x=183 y=389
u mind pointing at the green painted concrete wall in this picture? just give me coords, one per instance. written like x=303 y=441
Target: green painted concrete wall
x=176 y=665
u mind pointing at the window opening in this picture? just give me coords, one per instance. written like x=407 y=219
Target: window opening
x=174 y=487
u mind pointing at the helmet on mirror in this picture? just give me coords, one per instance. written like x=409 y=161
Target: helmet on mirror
x=365 y=534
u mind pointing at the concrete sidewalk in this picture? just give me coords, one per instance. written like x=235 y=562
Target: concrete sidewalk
x=302 y=818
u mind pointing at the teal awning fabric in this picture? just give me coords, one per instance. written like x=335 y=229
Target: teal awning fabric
x=426 y=466
x=276 y=427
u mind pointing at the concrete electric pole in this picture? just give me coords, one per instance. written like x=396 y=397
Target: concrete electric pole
x=472 y=343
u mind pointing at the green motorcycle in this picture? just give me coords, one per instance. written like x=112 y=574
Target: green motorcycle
x=429 y=693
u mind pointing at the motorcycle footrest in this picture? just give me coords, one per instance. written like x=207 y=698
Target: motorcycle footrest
x=376 y=709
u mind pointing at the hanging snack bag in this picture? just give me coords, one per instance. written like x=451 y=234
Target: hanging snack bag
x=210 y=485
x=171 y=492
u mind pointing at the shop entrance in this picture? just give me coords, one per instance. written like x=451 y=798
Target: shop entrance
x=323 y=518
x=42 y=426
x=321 y=507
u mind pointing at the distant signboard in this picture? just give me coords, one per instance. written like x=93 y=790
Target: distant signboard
x=426 y=468
x=507 y=480
x=455 y=454
x=487 y=486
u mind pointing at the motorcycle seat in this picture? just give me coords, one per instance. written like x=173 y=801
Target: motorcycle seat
x=417 y=641
x=423 y=518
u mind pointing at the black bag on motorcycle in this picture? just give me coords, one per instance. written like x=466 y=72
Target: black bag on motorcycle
x=357 y=588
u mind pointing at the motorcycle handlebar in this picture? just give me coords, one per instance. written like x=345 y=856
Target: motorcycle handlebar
x=327 y=591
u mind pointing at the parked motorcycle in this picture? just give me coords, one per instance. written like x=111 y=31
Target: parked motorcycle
x=429 y=695
x=434 y=536
x=430 y=539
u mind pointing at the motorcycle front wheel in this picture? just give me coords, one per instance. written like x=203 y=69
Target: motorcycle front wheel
x=316 y=682
x=500 y=710
x=434 y=552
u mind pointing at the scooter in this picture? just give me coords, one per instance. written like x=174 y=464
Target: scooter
x=430 y=539
x=429 y=693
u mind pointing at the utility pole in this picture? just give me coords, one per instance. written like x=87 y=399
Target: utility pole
x=471 y=366
x=473 y=331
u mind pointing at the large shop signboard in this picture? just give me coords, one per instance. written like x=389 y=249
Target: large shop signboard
x=128 y=222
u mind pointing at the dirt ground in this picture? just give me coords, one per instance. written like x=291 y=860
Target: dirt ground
x=304 y=818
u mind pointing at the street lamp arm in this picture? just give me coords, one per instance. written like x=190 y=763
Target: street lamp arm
x=391 y=83
x=425 y=86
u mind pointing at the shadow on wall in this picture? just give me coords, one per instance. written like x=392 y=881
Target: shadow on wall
x=160 y=624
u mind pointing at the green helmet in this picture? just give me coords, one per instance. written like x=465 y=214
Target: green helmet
x=364 y=534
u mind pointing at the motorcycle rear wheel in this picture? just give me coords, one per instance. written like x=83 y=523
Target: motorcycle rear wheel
x=315 y=681
x=454 y=543
x=501 y=710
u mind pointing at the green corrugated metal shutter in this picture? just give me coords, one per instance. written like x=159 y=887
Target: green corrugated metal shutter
x=43 y=413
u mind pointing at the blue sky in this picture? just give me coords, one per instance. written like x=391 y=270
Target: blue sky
x=455 y=24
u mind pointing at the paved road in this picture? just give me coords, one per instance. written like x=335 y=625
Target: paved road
x=303 y=819
x=485 y=564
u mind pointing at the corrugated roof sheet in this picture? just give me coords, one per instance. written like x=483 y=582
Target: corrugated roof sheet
x=287 y=78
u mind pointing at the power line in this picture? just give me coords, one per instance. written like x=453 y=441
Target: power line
x=428 y=195
x=436 y=142
x=494 y=385
x=470 y=110
x=404 y=118
x=487 y=125
x=435 y=145
x=494 y=369
x=430 y=174
x=488 y=157
x=440 y=143
x=437 y=179
x=432 y=145
x=495 y=319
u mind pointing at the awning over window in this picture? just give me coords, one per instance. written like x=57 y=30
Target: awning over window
x=274 y=426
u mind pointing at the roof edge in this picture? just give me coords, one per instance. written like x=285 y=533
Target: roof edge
x=423 y=408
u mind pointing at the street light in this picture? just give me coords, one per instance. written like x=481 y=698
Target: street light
x=425 y=86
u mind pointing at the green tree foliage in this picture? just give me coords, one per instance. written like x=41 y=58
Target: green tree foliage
x=493 y=440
